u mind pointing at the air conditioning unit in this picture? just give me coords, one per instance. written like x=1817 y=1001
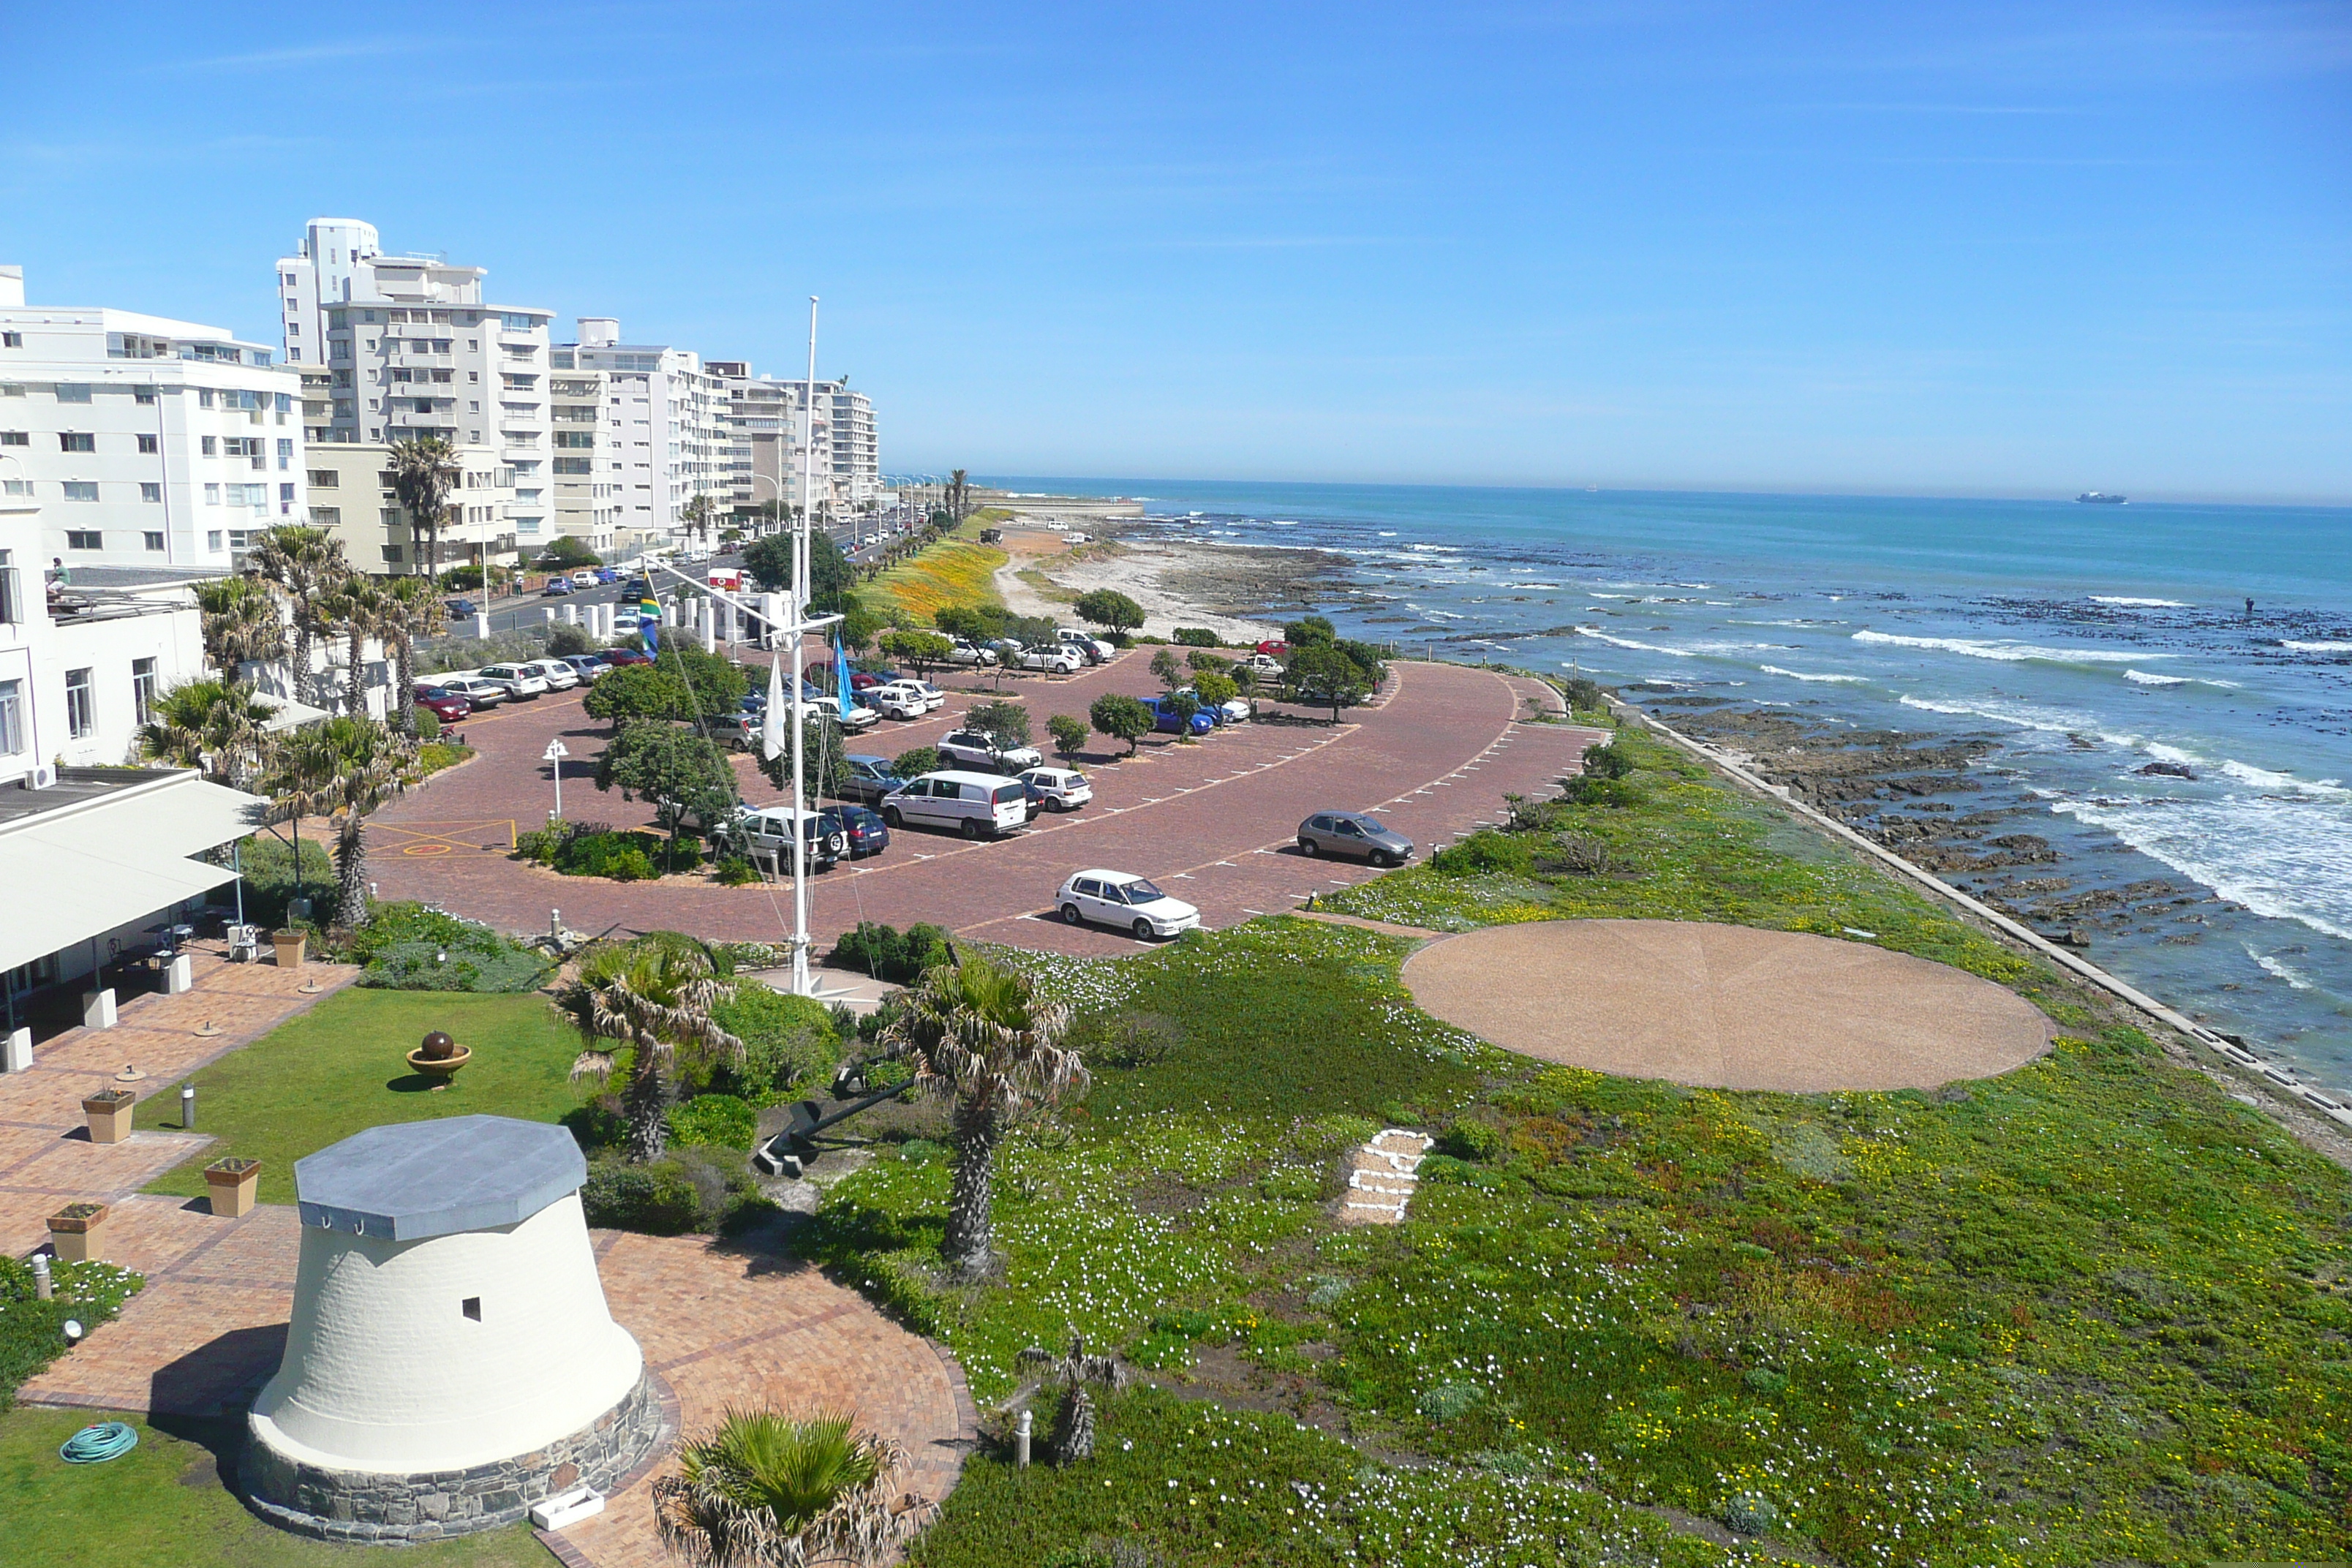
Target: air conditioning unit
x=44 y=776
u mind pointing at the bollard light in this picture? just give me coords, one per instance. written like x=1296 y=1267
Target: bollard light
x=187 y=1107
x=73 y=1332
x=1022 y=1439
x=42 y=1289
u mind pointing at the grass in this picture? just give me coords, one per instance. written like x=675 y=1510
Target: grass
x=957 y=570
x=162 y=1506
x=2093 y=1309
x=340 y=1068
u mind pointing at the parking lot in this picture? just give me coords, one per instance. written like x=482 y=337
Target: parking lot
x=1213 y=822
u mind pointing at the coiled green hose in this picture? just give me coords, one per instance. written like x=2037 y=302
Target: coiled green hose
x=95 y=1444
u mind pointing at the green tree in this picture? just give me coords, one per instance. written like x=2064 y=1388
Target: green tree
x=921 y=651
x=1121 y=718
x=305 y=566
x=343 y=768
x=424 y=471
x=653 y=996
x=1215 y=688
x=916 y=761
x=213 y=726
x=1006 y=724
x=1309 y=630
x=959 y=496
x=1183 y=705
x=683 y=773
x=241 y=623
x=1166 y=668
x=982 y=1039
x=566 y=552
x=825 y=760
x=635 y=691
x=1069 y=733
x=770 y=561
x=412 y=611
x=1326 y=675
x=1108 y=608
x=1077 y=1371
x=764 y=1491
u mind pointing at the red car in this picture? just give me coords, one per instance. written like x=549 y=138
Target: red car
x=621 y=655
x=860 y=680
x=446 y=705
x=1274 y=649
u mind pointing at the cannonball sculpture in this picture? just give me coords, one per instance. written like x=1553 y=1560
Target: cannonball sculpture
x=438 y=1048
x=439 y=1058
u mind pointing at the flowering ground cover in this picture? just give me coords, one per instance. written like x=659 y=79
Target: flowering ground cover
x=2092 y=1310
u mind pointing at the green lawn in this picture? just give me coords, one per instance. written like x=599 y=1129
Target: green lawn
x=162 y=1506
x=340 y=1068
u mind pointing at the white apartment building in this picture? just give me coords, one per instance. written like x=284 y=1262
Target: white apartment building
x=352 y=498
x=666 y=416
x=145 y=442
x=588 y=462
x=764 y=458
x=410 y=348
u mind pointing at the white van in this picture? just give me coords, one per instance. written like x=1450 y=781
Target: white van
x=978 y=806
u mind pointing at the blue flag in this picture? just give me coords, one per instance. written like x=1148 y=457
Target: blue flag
x=840 y=678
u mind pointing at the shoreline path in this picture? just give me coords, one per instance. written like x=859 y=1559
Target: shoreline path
x=1433 y=754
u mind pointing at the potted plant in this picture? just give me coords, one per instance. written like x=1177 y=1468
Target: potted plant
x=76 y=1232
x=289 y=944
x=109 y=1111
x=231 y=1183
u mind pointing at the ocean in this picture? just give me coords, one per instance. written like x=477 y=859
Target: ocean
x=2074 y=646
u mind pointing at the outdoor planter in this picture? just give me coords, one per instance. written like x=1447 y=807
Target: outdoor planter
x=109 y=1111
x=78 y=1232
x=289 y=945
x=231 y=1183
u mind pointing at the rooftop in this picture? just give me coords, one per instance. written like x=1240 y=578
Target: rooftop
x=410 y=1180
x=74 y=787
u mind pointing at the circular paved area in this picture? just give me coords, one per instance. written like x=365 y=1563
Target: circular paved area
x=1725 y=1006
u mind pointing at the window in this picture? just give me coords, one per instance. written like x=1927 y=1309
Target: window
x=285 y=496
x=392 y=554
x=327 y=516
x=212 y=446
x=285 y=453
x=12 y=601
x=81 y=705
x=12 y=340
x=11 y=717
x=84 y=539
x=154 y=541
x=205 y=400
x=472 y=1308
x=73 y=391
x=77 y=441
x=389 y=516
x=325 y=479
x=148 y=493
x=147 y=444
x=82 y=490
x=15 y=438
x=142 y=394
x=142 y=687
x=213 y=541
x=212 y=495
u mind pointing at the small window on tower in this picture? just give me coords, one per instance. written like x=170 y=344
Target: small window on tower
x=472 y=1308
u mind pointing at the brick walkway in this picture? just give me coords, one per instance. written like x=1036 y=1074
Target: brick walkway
x=1213 y=821
x=45 y=1157
x=720 y=1327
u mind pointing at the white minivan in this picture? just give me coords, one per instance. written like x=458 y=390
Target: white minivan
x=978 y=806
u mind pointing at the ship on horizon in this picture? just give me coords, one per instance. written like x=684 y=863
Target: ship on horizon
x=2101 y=497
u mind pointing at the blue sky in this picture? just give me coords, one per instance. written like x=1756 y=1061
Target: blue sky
x=2013 y=249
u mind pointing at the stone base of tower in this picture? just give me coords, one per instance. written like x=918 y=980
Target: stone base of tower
x=382 y=1506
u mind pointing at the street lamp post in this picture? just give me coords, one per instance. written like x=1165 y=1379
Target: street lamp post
x=554 y=754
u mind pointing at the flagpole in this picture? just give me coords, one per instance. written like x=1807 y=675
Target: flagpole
x=800 y=605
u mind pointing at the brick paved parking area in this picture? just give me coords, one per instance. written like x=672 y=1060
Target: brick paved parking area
x=721 y=1326
x=1212 y=821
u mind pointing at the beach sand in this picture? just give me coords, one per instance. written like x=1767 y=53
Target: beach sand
x=1240 y=595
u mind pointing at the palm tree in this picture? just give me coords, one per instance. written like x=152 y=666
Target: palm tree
x=653 y=996
x=413 y=609
x=697 y=514
x=241 y=624
x=959 y=497
x=770 y=1491
x=304 y=565
x=213 y=726
x=343 y=768
x=424 y=471
x=360 y=606
x=982 y=1037
x=1075 y=1370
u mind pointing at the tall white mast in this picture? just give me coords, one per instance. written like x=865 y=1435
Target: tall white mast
x=802 y=985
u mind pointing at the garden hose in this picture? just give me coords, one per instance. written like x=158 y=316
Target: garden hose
x=95 y=1444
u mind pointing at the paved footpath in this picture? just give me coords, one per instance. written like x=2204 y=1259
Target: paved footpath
x=1213 y=822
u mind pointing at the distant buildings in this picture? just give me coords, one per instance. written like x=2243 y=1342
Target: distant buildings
x=664 y=434
x=764 y=446
x=352 y=497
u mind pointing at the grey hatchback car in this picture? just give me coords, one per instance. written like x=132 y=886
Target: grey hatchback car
x=1351 y=833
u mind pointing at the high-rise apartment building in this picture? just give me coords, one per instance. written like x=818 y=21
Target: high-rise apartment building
x=352 y=497
x=588 y=461
x=146 y=442
x=666 y=416
x=764 y=454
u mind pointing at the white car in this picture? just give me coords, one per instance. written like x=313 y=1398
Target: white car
x=1056 y=660
x=972 y=749
x=473 y=687
x=963 y=652
x=584 y=578
x=1122 y=899
x=521 y=680
x=1262 y=664
x=1090 y=648
x=978 y=806
x=559 y=675
x=859 y=717
x=1065 y=789
x=907 y=699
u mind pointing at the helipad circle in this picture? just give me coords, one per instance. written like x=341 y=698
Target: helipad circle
x=1725 y=1006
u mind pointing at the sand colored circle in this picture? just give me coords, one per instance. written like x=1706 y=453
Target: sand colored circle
x=1725 y=1006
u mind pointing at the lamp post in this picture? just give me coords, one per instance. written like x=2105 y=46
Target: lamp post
x=554 y=754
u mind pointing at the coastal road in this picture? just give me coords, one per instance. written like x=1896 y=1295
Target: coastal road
x=1212 y=821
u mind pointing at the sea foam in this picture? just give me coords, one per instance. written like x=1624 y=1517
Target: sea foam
x=2126 y=602
x=1800 y=675
x=2007 y=652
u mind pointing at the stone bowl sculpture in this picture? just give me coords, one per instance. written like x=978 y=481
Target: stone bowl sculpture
x=439 y=1058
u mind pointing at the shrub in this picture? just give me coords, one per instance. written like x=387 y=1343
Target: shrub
x=1590 y=791
x=788 y=1042
x=1610 y=761
x=719 y=1120
x=882 y=952
x=1470 y=1140
x=32 y=1331
x=269 y=882
x=914 y=764
x=1485 y=850
x=1195 y=636
x=427 y=966
x=734 y=871
x=1070 y=733
x=656 y=1199
x=593 y=850
x=429 y=724
x=564 y=638
x=1584 y=695
x=1577 y=855
x=435 y=756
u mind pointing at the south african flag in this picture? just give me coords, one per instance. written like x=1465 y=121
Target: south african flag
x=649 y=621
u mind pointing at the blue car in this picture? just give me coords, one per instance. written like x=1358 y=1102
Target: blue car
x=606 y=574
x=865 y=831
x=1164 y=719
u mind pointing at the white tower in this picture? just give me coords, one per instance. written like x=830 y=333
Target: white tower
x=451 y=1359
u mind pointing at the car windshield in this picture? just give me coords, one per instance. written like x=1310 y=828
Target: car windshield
x=1143 y=892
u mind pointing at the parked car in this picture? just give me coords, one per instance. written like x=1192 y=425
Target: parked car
x=907 y=699
x=519 y=680
x=962 y=652
x=617 y=657
x=1276 y=648
x=1090 y=648
x=461 y=609
x=1064 y=789
x=1059 y=659
x=1123 y=898
x=589 y=666
x=606 y=574
x=870 y=778
x=865 y=831
x=767 y=833
x=1233 y=710
x=972 y=749
x=861 y=682
x=978 y=806
x=446 y=705
x=584 y=578
x=556 y=588
x=1354 y=834
x=1164 y=719
x=1262 y=664
x=558 y=673
x=474 y=689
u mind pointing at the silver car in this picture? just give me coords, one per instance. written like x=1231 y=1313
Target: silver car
x=1353 y=834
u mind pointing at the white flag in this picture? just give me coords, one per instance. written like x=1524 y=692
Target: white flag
x=772 y=738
